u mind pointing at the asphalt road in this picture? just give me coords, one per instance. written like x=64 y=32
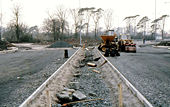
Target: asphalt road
x=24 y=71
x=149 y=71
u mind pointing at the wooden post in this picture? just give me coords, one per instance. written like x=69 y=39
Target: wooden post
x=81 y=101
x=103 y=63
x=83 y=46
x=48 y=99
x=66 y=53
x=96 y=71
x=120 y=95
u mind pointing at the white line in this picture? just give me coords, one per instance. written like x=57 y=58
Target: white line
x=43 y=86
x=131 y=87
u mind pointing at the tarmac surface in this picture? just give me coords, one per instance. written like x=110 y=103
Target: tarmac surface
x=22 y=72
x=149 y=71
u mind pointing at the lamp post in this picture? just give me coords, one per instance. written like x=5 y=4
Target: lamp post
x=80 y=23
x=1 y=20
x=155 y=9
x=81 y=27
x=155 y=19
x=80 y=33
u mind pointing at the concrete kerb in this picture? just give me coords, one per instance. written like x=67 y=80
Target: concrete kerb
x=131 y=87
x=165 y=47
x=44 y=85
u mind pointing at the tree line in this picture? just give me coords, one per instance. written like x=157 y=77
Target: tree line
x=153 y=26
x=66 y=22
x=60 y=24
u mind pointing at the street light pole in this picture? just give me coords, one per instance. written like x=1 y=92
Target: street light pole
x=80 y=35
x=155 y=9
x=80 y=23
x=1 y=20
x=155 y=19
x=1 y=27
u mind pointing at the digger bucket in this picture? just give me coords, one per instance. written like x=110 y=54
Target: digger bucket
x=107 y=38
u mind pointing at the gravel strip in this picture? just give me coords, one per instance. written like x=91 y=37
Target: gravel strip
x=87 y=85
x=92 y=85
x=102 y=85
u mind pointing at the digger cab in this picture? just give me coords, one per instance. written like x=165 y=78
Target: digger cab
x=110 y=32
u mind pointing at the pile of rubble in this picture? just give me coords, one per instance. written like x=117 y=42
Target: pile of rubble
x=69 y=95
x=4 y=45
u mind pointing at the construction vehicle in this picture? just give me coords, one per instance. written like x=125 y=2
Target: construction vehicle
x=109 y=44
x=126 y=44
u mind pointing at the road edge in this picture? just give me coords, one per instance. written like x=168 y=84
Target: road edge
x=131 y=87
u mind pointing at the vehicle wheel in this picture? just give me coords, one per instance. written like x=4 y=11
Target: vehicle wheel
x=117 y=53
x=112 y=53
x=106 y=53
x=103 y=48
x=99 y=48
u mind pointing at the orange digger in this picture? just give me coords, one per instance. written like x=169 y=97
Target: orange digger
x=126 y=45
x=112 y=46
x=109 y=44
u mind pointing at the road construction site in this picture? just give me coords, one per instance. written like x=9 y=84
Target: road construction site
x=78 y=80
x=32 y=78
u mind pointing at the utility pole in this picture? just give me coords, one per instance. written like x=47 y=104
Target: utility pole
x=1 y=26
x=155 y=19
x=80 y=23
x=1 y=20
x=155 y=9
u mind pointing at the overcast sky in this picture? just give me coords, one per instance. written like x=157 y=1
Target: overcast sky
x=34 y=11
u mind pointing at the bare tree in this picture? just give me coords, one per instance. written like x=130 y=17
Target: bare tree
x=34 y=31
x=16 y=19
x=75 y=15
x=61 y=14
x=56 y=23
x=108 y=19
x=134 y=19
x=52 y=26
x=10 y=33
x=96 y=17
x=155 y=26
x=131 y=22
x=86 y=12
x=128 y=24
x=142 y=25
x=163 y=17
